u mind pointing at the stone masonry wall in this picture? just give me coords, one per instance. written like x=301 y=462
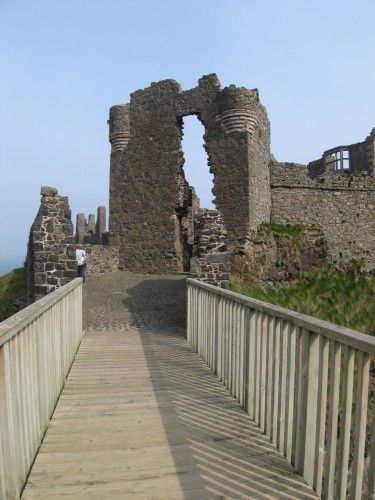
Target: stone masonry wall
x=51 y=258
x=237 y=141
x=51 y=253
x=146 y=214
x=361 y=158
x=276 y=258
x=101 y=259
x=210 y=261
x=342 y=205
x=146 y=185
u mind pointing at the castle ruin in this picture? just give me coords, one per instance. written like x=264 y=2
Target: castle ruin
x=150 y=201
x=149 y=196
x=91 y=231
x=155 y=223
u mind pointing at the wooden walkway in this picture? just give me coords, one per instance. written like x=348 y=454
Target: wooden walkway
x=142 y=416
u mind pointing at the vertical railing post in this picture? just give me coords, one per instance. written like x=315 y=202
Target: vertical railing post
x=360 y=425
x=371 y=458
x=347 y=408
x=322 y=377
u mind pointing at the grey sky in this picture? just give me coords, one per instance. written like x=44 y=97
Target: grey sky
x=65 y=62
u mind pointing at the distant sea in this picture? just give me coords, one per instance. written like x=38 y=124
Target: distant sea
x=7 y=265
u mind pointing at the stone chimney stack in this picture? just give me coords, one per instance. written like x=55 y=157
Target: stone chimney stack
x=101 y=223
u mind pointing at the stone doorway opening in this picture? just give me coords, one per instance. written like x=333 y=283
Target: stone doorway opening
x=201 y=231
x=195 y=167
x=196 y=182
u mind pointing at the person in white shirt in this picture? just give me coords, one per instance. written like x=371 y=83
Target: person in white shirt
x=81 y=262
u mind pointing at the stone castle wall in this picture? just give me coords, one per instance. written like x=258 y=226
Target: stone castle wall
x=146 y=205
x=148 y=202
x=51 y=253
x=341 y=204
x=51 y=257
x=361 y=158
x=210 y=262
x=101 y=259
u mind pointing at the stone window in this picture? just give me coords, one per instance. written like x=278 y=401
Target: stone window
x=337 y=159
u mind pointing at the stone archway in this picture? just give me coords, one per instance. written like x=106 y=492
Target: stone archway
x=149 y=195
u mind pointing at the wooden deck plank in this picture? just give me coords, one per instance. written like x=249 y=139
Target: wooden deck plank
x=141 y=416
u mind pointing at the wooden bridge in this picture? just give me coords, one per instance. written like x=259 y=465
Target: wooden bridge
x=141 y=414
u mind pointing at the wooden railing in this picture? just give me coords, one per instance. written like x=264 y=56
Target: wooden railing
x=37 y=348
x=304 y=381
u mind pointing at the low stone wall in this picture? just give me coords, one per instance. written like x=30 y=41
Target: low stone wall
x=101 y=259
x=212 y=269
x=210 y=261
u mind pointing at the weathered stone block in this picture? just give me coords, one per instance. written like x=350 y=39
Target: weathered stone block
x=48 y=191
x=217 y=258
x=52 y=280
x=68 y=273
x=43 y=289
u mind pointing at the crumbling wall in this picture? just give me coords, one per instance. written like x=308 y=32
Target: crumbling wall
x=210 y=262
x=146 y=207
x=91 y=231
x=276 y=258
x=341 y=204
x=361 y=157
x=51 y=255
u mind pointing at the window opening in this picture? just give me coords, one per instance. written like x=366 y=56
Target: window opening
x=196 y=168
x=337 y=159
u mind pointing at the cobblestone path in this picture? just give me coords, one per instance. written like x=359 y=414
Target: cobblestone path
x=121 y=302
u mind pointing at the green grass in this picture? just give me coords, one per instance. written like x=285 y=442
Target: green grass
x=12 y=286
x=344 y=298
x=293 y=231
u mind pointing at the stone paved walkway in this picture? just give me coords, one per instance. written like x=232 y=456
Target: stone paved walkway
x=121 y=302
x=142 y=416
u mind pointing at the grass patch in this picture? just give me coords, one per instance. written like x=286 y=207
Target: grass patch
x=12 y=286
x=293 y=231
x=344 y=298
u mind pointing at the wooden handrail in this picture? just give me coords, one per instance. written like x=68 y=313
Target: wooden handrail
x=304 y=381
x=37 y=348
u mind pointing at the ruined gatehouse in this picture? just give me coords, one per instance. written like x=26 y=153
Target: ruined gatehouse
x=156 y=225
x=149 y=196
x=150 y=201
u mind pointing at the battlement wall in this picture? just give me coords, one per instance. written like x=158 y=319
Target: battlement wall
x=91 y=231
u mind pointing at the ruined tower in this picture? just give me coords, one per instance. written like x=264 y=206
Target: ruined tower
x=149 y=196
